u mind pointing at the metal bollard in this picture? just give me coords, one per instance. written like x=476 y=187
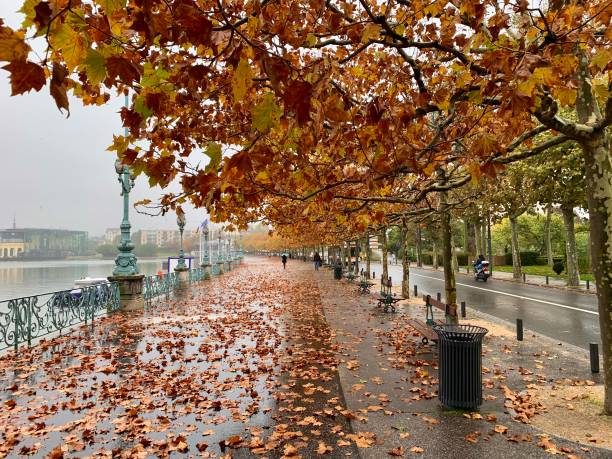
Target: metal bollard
x=519 y=329
x=524 y=278
x=588 y=286
x=416 y=290
x=463 y=309
x=547 y=279
x=594 y=351
x=439 y=296
x=373 y=275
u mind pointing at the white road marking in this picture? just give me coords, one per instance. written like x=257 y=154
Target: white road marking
x=513 y=295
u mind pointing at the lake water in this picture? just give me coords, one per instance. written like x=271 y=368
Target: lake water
x=24 y=278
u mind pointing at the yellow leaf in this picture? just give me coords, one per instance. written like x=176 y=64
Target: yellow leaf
x=71 y=43
x=602 y=58
x=311 y=40
x=370 y=32
x=12 y=45
x=241 y=80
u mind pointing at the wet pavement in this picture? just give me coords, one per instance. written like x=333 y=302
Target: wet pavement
x=394 y=384
x=576 y=320
x=263 y=362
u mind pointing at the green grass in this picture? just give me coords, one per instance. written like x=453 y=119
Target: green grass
x=539 y=270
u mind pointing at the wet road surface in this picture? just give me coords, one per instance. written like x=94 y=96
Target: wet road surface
x=562 y=315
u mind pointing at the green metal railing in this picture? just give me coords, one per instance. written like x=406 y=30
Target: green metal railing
x=154 y=286
x=23 y=320
x=196 y=275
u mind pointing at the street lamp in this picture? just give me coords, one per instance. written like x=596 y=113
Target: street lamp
x=125 y=262
x=180 y=220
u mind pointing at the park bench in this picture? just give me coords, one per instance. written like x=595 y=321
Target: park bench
x=364 y=284
x=386 y=298
x=425 y=328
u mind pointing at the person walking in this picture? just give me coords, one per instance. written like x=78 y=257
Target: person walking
x=284 y=260
x=317 y=261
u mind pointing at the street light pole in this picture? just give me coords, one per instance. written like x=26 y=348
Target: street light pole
x=206 y=261
x=180 y=220
x=125 y=262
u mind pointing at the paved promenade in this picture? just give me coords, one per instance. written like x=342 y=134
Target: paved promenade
x=263 y=362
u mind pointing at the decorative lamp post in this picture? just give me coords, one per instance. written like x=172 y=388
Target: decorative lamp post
x=220 y=261
x=229 y=252
x=125 y=273
x=125 y=262
x=181 y=269
x=206 y=256
x=180 y=221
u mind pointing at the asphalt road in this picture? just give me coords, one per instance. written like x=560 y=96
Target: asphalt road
x=562 y=315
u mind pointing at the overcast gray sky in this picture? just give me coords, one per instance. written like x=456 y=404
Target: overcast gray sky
x=56 y=172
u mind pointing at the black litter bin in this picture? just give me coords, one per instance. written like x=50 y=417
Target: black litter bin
x=460 y=365
x=338 y=272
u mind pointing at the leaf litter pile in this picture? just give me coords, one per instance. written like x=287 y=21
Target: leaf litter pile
x=243 y=362
x=247 y=365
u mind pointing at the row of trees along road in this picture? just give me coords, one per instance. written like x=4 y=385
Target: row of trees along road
x=328 y=119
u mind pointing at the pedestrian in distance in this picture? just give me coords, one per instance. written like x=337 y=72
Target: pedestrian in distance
x=284 y=260
x=317 y=261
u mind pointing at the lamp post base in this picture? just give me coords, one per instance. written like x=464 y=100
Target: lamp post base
x=183 y=277
x=130 y=289
x=207 y=270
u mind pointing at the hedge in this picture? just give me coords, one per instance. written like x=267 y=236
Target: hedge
x=528 y=258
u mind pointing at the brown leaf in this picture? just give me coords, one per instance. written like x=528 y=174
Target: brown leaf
x=58 y=87
x=398 y=452
x=25 y=76
x=323 y=448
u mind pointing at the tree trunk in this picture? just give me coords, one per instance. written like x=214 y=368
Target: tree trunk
x=516 y=254
x=466 y=236
x=549 y=255
x=349 y=262
x=368 y=258
x=454 y=254
x=356 y=257
x=434 y=254
x=383 y=241
x=483 y=237
x=477 y=243
x=573 y=274
x=405 y=263
x=599 y=196
x=419 y=248
x=447 y=256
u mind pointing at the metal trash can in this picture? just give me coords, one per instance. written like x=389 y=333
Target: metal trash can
x=460 y=365
x=338 y=272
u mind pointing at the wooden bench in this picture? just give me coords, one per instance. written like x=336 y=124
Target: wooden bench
x=364 y=284
x=425 y=328
x=386 y=298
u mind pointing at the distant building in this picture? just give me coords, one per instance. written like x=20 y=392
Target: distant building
x=112 y=235
x=161 y=238
x=42 y=243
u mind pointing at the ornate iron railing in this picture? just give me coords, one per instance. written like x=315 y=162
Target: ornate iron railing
x=23 y=320
x=157 y=285
x=196 y=274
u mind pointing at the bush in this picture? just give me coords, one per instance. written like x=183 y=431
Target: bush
x=528 y=258
x=584 y=264
x=558 y=267
x=462 y=259
x=542 y=260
